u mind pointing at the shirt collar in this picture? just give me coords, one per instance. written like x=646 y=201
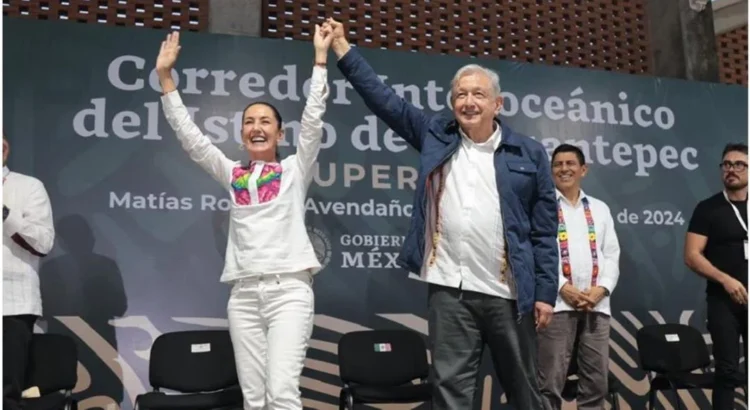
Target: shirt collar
x=6 y=171
x=494 y=140
x=560 y=196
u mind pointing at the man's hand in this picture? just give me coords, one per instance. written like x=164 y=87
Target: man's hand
x=593 y=297
x=735 y=289
x=542 y=314
x=575 y=298
x=340 y=45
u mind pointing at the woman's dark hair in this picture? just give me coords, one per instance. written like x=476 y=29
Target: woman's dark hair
x=276 y=114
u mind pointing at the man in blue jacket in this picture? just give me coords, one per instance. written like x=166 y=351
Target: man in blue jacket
x=483 y=231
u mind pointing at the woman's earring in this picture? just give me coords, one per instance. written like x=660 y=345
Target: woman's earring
x=241 y=147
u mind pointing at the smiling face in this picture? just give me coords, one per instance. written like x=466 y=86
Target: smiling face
x=261 y=132
x=568 y=170
x=475 y=102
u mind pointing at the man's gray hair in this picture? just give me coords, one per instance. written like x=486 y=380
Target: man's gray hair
x=474 y=69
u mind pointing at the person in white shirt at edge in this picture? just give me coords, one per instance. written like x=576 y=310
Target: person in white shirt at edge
x=589 y=269
x=269 y=259
x=28 y=235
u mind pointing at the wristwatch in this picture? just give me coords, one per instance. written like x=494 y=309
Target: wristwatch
x=606 y=291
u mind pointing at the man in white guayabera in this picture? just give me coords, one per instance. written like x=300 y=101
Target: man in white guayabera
x=578 y=337
x=28 y=235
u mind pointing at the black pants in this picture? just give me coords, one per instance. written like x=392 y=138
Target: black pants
x=460 y=324
x=727 y=323
x=17 y=331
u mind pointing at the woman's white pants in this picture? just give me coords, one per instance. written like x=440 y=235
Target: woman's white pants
x=270 y=322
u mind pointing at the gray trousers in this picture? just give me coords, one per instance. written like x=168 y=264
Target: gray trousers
x=460 y=324
x=584 y=335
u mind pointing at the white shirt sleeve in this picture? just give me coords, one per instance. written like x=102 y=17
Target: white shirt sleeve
x=194 y=142
x=610 y=255
x=311 y=127
x=33 y=223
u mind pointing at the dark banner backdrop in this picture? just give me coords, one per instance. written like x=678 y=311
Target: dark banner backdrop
x=141 y=230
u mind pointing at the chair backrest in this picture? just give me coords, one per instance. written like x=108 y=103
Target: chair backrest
x=671 y=348
x=193 y=361
x=53 y=363
x=382 y=357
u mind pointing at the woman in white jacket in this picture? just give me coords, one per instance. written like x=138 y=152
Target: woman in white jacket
x=269 y=258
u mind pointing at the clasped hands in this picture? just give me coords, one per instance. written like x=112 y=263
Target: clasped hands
x=582 y=300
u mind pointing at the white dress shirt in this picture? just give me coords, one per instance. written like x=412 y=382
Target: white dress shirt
x=470 y=250
x=264 y=237
x=607 y=249
x=28 y=235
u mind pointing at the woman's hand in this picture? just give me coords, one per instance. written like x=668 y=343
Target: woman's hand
x=166 y=59
x=170 y=48
x=322 y=42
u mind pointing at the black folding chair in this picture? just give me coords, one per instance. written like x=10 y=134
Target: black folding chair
x=198 y=366
x=570 y=389
x=379 y=366
x=672 y=352
x=53 y=368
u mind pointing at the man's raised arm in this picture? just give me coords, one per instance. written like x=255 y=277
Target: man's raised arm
x=406 y=120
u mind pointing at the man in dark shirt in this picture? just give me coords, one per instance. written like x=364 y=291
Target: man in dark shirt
x=716 y=248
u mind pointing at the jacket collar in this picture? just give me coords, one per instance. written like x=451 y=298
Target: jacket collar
x=561 y=197
x=449 y=130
